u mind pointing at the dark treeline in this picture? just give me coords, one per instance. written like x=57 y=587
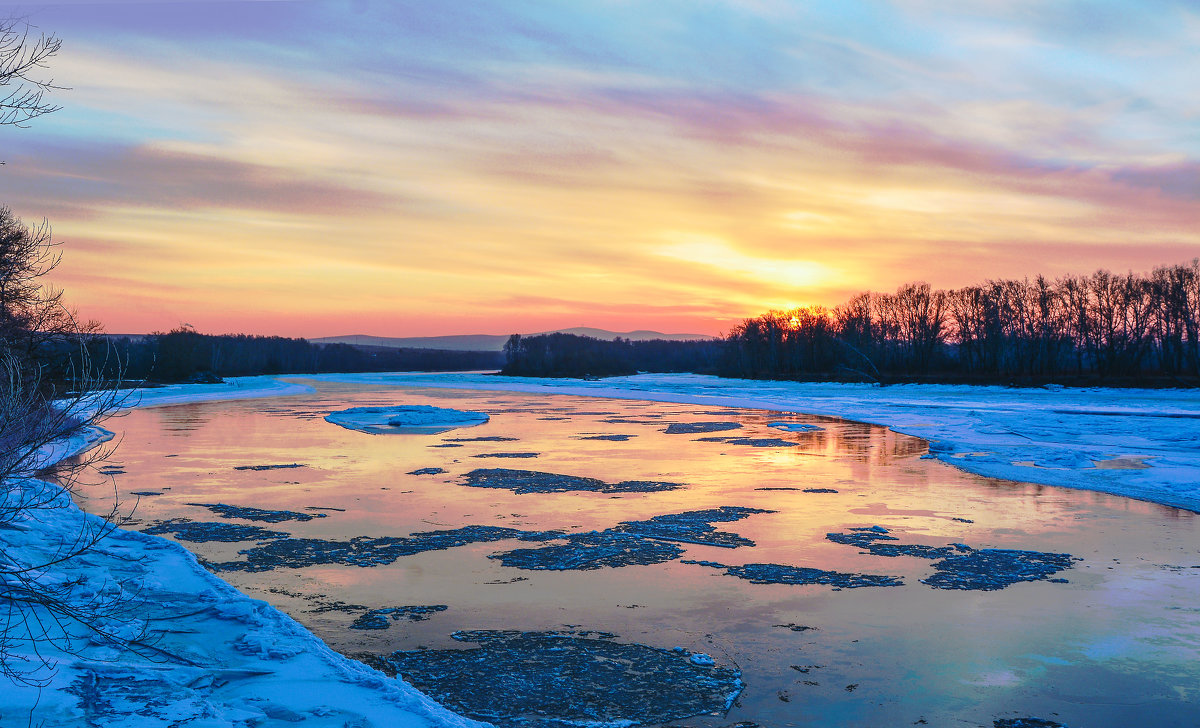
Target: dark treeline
x=1124 y=329
x=1105 y=328
x=1115 y=329
x=569 y=355
x=184 y=355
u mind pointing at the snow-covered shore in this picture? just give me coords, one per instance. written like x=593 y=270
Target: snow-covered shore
x=221 y=659
x=231 y=388
x=1138 y=443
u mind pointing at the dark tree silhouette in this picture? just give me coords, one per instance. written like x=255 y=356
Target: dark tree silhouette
x=51 y=400
x=1106 y=328
x=569 y=355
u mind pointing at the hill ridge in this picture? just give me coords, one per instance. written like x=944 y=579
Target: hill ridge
x=491 y=342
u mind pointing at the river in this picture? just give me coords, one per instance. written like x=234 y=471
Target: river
x=896 y=590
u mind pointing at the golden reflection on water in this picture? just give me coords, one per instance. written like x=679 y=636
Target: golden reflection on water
x=1125 y=624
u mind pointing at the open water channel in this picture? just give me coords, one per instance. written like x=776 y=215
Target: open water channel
x=833 y=576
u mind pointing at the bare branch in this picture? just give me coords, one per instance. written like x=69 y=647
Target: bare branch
x=53 y=394
x=22 y=56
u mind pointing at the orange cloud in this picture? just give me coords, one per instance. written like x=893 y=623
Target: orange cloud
x=531 y=195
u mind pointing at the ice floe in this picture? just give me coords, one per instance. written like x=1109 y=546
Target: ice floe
x=753 y=441
x=556 y=679
x=591 y=550
x=284 y=466
x=795 y=426
x=695 y=428
x=533 y=481
x=367 y=551
x=248 y=513
x=632 y=542
x=206 y=531
x=382 y=618
x=960 y=566
x=427 y=471
x=419 y=419
x=800 y=575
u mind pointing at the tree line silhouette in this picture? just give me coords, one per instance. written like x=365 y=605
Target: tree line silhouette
x=571 y=355
x=1103 y=328
x=183 y=355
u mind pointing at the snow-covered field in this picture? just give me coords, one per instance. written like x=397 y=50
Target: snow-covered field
x=245 y=663
x=1139 y=443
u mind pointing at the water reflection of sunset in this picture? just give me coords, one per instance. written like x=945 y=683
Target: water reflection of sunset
x=856 y=475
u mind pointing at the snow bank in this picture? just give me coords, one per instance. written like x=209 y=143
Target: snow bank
x=220 y=659
x=225 y=661
x=405 y=419
x=1139 y=443
x=82 y=441
x=231 y=388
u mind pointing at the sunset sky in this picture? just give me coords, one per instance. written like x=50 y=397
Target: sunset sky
x=312 y=168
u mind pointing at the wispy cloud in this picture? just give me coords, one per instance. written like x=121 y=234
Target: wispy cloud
x=421 y=168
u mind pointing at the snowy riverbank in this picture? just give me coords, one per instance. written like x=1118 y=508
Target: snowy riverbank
x=231 y=388
x=1139 y=443
x=221 y=659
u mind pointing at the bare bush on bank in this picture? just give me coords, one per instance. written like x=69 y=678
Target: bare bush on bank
x=39 y=608
x=52 y=399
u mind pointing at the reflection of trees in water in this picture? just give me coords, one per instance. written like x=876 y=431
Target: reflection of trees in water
x=1089 y=498
x=183 y=418
x=859 y=441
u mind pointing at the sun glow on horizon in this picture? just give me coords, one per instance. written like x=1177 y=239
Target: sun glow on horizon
x=659 y=167
x=712 y=252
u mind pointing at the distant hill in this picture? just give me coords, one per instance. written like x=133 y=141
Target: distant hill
x=492 y=342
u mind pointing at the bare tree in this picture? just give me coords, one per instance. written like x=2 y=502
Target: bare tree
x=1125 y=328
x=32 y=313
x=52 y=397
x=921 y=313
x=39 y=425
x=23 y=54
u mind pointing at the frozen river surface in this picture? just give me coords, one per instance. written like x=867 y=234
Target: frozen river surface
x=832 y=575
